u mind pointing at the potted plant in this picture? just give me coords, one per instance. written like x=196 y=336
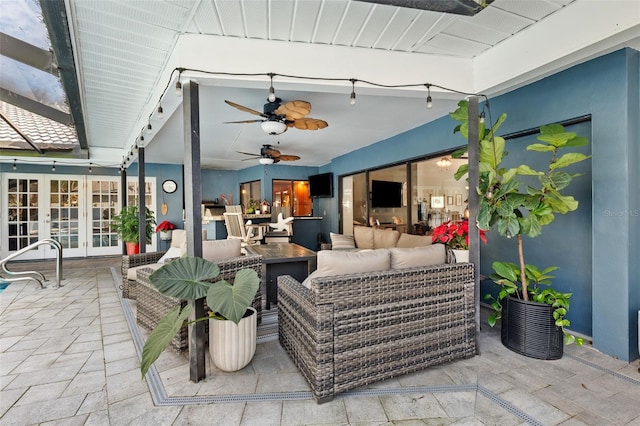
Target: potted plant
x=518 y=202
x=253 y=206
x=232 y=322
x=126 y=225
x=455 y=235
x=165 y=228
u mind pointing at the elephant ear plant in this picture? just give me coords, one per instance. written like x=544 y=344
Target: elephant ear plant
x=191 y=278
x=517 y=208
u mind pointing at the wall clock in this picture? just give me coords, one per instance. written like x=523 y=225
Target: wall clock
x=169 y=186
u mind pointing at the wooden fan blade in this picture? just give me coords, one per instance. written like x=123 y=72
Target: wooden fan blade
x=294 y=110
x=309 y=124
x=289 y=157
x=245 y=109
x=249 y=153
x=271 y=152
x=242 y=121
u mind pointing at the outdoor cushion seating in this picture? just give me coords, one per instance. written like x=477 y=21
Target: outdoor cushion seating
x=366 y=237
x=131 y=263
x=351 y=330
x=153 y=305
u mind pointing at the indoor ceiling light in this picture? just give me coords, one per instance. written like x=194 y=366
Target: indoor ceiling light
x=266 y=160
x=443 y=163
x=273 y=127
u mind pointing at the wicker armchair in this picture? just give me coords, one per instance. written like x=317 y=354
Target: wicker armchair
x=131 y=261
x=153 y=305
x=352 y=330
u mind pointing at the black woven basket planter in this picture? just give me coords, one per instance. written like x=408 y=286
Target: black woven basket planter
x=529 y=329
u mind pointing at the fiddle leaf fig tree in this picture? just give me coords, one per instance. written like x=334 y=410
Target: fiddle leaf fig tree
x=520 y=200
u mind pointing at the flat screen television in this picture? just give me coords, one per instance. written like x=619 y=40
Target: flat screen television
x=321 y=186
x=386 y=194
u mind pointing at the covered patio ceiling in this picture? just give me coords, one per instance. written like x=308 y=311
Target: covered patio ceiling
x=126 y=53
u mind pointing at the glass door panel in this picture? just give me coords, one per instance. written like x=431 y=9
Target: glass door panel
x=65 y=215
x=23 y=224
x=104 y=205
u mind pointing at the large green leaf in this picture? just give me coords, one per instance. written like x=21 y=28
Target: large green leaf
x=530 y=226
x=462 y=170
x=162 y=335
x=183 y=278
x=577 y=141
x=556 y=180
x=561 y=203
x=507 y=270
x=509 y=225
x=491 y=152
x=568 y=159
x=232 y=301
x=541 y=147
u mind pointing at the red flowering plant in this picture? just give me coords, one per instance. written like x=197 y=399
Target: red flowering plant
x=165 y=226
x=455 y=235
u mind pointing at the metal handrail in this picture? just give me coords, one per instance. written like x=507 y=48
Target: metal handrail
x=39 y=277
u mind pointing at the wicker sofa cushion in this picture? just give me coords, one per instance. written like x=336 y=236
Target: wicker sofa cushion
x=332 y=263
x=410 y=240
x=363 y=236
x=172 y=253
x=215 y=250
x=178 y=236
x=402 y=258
x=385 y=238
x=342 y=242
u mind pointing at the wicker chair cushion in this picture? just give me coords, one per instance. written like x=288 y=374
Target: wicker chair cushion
x=131 y=272
x=332 y=263
x=215 y=250
x=410 y=240
x=342 y=242
x=178 y=236
x=402 y=258
x=172 y=253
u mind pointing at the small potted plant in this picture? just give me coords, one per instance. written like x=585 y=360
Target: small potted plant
x=253 y=206
x=455 y=235
x=126 y=225
x=165 y=228
x=231 y=317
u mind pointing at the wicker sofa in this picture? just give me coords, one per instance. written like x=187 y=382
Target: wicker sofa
x=153 y=305
x=351 y=330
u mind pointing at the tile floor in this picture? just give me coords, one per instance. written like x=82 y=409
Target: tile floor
x=69 y=357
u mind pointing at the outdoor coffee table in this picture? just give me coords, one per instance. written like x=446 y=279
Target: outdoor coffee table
x=282 y=259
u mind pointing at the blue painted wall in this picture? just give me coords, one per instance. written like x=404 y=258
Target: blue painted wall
x=606 y=88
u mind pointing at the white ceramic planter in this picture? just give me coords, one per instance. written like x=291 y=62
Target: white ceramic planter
x=231 y=345
x=461 y=255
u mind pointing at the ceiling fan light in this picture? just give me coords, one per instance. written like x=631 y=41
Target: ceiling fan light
x=266 y=160
x=273 y=127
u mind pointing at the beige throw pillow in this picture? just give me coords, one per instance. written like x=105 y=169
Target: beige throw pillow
x=409 y=240
x=363 y=236
x=433 y=254
x=385 y=238
x=215 y=250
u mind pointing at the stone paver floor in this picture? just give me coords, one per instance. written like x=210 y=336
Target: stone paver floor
x=67 y=357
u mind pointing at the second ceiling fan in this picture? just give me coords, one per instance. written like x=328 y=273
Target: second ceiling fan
x=277 y=117
x=269 y=155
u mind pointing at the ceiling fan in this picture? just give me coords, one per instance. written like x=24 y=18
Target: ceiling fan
x=277 y=117
x=269 y=155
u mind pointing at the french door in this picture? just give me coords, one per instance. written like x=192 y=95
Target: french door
x=74 y=210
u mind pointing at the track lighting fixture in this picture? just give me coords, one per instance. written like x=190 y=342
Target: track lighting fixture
x=14 y=164
x=178 y=88
x=429 y=100
x=160 y=112
x=53 y=168
x=352 y=98
x=272 y=92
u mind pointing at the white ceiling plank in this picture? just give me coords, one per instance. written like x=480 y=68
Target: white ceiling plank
x=354 y=19
x=531 y=9
x=377 y=21
x=304 y=20
x=206 y=20
x=557 y=42
x=280 y=19
x=255 y=18
x=329 y=21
